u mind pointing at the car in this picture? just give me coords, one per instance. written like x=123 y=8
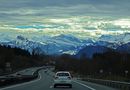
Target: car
x=62 y=78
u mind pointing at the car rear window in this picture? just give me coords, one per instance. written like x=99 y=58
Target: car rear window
x=63 y=74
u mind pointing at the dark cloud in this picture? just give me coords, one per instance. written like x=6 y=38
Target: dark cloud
x=39 y=3
x=21 y=9
x=46 y=3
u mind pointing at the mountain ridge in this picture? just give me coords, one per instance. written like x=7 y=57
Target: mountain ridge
x=68 y=44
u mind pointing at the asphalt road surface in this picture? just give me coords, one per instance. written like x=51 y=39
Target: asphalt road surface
x=45 y=82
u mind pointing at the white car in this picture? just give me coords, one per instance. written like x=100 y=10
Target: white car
x=63 y=78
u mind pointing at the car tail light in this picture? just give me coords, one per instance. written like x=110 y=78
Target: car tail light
x=69 y=77
x=56 y=77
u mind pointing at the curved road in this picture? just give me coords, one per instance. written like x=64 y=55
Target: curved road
x=45 y=82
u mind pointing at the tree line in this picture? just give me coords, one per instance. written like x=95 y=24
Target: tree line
x=18 y=59
x=102 y=65
x=110 y=65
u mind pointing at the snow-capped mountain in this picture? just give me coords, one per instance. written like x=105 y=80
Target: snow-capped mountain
x=119 y=39
x=107 y=44
x=50 y=45
x=67 y=43
x=119 y=43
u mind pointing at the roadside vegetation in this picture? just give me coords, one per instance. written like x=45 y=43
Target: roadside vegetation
x=14 y=59
x=109 y=66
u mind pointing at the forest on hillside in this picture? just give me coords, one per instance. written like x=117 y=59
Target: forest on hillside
x=110 y=65
x=18 y=59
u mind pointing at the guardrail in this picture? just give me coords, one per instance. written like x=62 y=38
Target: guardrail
x=110 y=83
x=5 y=81
x=15 y=80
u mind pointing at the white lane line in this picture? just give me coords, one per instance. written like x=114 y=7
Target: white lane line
x=26 y=83
x=51 y=86
x=84 y=85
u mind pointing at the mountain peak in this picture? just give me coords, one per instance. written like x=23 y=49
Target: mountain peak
x=20 y=37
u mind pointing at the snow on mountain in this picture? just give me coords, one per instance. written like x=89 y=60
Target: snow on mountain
x=119 y=43
x=106 y=44
x=120 y=39
x=67 y=43
x=45 y=44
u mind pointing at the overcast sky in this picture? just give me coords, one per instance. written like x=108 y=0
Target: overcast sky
x=26 y=15
x=25 y=9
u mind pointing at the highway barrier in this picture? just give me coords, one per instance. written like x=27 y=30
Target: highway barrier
x=15 y=80
x=110 y=83
x=10 y=80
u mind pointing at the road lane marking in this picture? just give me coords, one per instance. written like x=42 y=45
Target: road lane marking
x=51 y=86
x=25 y=83
x=84 y=85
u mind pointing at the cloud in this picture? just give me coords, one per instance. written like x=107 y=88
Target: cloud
x=82 y=18
x=27 y=11
x=78 y=26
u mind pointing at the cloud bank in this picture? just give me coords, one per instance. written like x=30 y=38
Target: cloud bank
x=83 y=18
x=22 y=9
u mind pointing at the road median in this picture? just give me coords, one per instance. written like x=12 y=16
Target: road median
x=11 y=80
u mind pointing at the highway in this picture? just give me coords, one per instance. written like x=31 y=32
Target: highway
x=28 y=71
x=45 y=82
